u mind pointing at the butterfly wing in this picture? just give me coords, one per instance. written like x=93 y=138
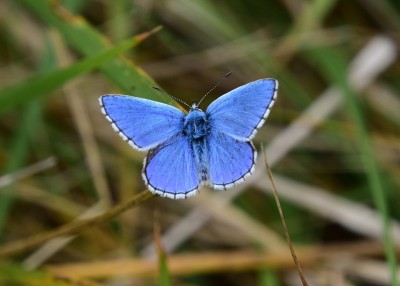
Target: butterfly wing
x=170 y=169
x=143 y=123
x=240 y=112
x=231 y=160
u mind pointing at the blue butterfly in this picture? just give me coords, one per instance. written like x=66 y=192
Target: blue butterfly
x=187 y=151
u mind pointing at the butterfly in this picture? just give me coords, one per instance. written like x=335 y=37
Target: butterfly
x=187 y=151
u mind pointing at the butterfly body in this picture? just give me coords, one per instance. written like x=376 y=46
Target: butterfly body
x=196 y=130
x=198 y=148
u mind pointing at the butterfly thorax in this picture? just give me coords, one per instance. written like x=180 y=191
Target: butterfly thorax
x=195 y=125
x=196 y=128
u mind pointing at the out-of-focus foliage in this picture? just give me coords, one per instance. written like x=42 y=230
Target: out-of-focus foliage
x=332 y=140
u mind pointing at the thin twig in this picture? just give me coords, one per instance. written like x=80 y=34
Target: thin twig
x=278 y=204
x=73 y=227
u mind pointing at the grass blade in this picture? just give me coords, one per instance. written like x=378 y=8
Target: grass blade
x=86 y=40
x=43 y=84
x=331 y=63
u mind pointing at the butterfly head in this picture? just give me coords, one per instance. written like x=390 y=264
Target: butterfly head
x=195 y=106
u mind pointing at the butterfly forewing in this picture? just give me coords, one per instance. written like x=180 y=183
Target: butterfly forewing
x=240 y=112
x=143 y=123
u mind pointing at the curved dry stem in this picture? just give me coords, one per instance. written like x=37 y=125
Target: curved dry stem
x=73 y=227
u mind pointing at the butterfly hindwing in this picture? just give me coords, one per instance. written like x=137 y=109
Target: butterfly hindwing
x=240 y=112
x=231 y=160
x=143 y=123
x=170 y=170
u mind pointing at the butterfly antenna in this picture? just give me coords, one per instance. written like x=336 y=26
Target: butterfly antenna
x=177 y=99
x=215 y=86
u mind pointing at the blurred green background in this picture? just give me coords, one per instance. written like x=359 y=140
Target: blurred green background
x=332 y=141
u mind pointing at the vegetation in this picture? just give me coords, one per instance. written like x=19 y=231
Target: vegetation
x=73 y=207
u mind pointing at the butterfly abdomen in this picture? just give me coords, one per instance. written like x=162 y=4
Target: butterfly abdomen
x=199 y=148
